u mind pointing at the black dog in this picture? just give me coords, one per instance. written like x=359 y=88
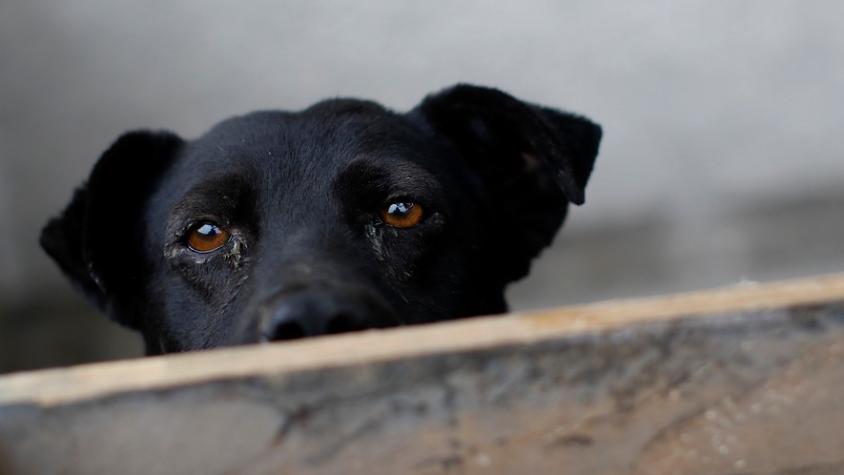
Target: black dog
x=344 y=216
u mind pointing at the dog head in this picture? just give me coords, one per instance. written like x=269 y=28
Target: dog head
x=344 y=216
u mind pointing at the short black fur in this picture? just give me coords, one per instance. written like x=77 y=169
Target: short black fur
x=300 y=196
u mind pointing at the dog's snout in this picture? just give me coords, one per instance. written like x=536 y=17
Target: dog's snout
x=307 y=314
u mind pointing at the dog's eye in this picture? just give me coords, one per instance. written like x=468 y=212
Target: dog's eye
x=206 y=237
x=402 y=214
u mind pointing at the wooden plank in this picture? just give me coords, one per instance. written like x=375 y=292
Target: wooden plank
x=744 y=380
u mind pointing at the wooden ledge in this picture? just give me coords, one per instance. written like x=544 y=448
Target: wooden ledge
x=54 y=386
x=680 y=384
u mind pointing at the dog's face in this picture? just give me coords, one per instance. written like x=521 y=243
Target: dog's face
x=344 y=216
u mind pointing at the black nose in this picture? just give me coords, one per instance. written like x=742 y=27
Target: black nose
x=313 y=313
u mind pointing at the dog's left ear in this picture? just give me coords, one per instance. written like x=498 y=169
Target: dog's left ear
x=532 y=160
x=96 y=240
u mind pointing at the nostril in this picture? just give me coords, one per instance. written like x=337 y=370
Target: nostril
x=342 y=323
x=311 y=313
x=287 y=331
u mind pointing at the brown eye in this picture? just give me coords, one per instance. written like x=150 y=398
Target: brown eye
x=207 y=237
x=402 y=214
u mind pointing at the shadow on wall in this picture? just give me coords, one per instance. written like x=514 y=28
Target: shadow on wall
x=779 y=238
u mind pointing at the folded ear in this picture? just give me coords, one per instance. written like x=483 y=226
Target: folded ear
x=96 y=240
x=533 y=161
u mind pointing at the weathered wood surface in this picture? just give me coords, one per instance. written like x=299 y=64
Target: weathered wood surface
x=746 y=380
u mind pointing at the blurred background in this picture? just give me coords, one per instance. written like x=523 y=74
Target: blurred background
x=722 y=160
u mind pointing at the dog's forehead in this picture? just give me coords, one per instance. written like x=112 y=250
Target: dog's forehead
x=328 y=133
x=280 y=153
x=308 y=149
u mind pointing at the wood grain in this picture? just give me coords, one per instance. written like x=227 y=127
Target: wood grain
x=743 y=380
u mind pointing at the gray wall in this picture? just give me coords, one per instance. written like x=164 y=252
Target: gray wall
x=722 y=159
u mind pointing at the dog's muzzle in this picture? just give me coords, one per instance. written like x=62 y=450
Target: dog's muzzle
x=320 y=310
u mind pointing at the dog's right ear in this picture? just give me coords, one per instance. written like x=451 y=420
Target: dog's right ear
x=532 y=160
x=96 y=240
